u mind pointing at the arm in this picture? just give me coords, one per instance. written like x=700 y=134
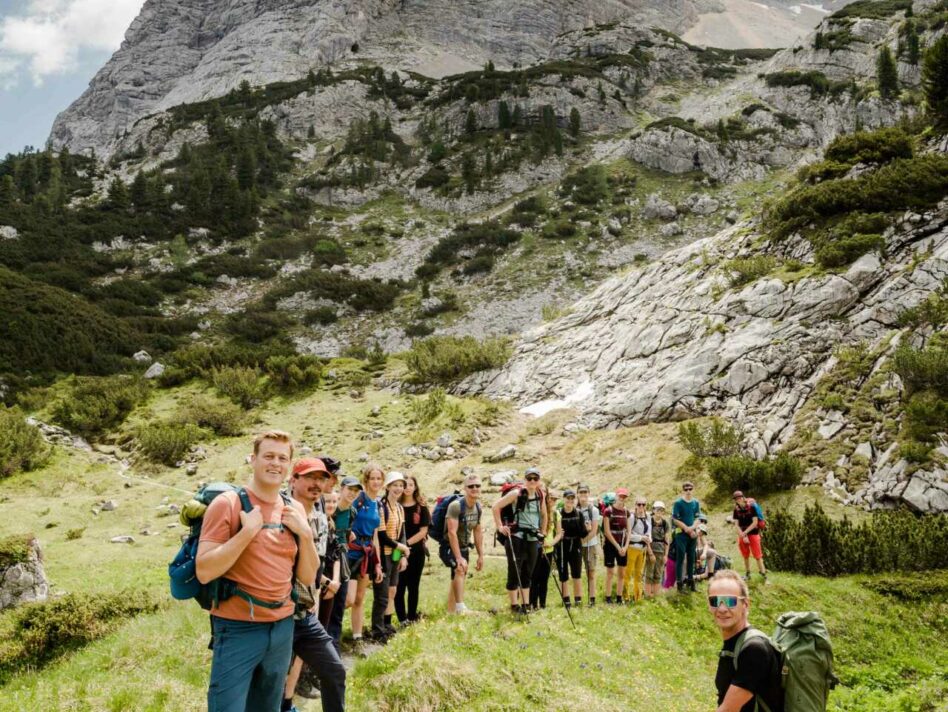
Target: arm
x=607 y=530
x=214 y=560
x=294 y=519
x=479 y=545
x=452 y=524
x=421 y=535
x=558 y=536
x=752 y=525
x=591 y=529
x=500 y=504
x=333 y=586
x=544 y=517
x=735 y=699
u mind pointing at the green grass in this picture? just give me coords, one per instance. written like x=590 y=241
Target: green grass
x=888 y=651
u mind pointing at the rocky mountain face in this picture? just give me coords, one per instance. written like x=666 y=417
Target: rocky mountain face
x=181 y=51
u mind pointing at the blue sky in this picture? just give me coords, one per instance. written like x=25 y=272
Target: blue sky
x=49 y=50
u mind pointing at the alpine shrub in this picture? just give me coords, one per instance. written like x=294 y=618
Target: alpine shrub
x=290 y=374
x=745 y=270
x=712 y=438
x=223 y=418
x=924 y=369
x=847 y=250
x=444 y=359
x=167 y=443
x=92 y=405
x=880 y=146
x=738 y=472
x=22 y=447
x=817 y=545
x=239 y=383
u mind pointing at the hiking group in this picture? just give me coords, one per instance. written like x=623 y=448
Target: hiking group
x=280 y=560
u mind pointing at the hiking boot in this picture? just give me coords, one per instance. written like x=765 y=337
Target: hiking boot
x=747 y=577
x=462 y=610
x=390 y=630
x=692 y=586
x=680 y=585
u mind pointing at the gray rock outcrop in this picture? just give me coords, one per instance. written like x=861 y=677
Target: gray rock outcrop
x=24 y=581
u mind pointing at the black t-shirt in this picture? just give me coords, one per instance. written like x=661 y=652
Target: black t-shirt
x=416 y=517
x=758 y=671
x=574 y=524
x=744 y=516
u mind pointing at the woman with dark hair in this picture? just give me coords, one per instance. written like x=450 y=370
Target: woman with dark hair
x=417 y=520
x=541 y=573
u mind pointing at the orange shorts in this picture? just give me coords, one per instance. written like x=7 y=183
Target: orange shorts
x=752 y=547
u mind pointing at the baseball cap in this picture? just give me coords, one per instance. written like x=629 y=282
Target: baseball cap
x=582 y=488
x=394 y=476
x=703 y=528
x=569 y=493
x=532 y=471
x=659 y=504
x=738 y=494
x=622 y=492
x=306 y=465
x=350 y=482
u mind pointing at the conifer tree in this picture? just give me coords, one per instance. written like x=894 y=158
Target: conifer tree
x=7 y=191
x=139 y=191
x=574 y=122
x=887 y=75
x=469 y=172
x=517 y=118
x=470 y=123
x=935 y=81
x=118 y=194
x=246 y=168
x=503 y=115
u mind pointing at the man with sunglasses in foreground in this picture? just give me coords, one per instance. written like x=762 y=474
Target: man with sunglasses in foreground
x=749 y=667
x=462 y=523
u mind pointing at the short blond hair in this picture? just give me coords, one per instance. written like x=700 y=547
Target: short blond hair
x=280 y=436
x=731 y=575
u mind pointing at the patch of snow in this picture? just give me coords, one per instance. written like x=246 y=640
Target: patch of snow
x=541 y=408
x=817 y=8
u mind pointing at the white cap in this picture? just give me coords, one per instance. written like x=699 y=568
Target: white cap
x=659 y=504
x=394 y=476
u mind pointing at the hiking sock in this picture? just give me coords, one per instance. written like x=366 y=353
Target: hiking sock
x=577 y=601
x=566 y=601
x=286 y=705
x=592 y=601
x=608 y=600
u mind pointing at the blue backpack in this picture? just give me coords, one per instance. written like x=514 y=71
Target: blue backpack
x=437 y=529
x=182 y=571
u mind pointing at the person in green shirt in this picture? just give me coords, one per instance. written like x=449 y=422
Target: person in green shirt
x=685 y=513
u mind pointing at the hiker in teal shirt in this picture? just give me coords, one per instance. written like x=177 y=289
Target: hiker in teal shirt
x=684 y=513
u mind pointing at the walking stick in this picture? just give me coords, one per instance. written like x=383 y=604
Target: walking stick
x=513 y=557
x=568 y=611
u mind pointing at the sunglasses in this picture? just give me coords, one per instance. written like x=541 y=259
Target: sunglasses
x=687 y=489
x=473 y=486
x=641 y=504
x=533 y=478
x=728 y=601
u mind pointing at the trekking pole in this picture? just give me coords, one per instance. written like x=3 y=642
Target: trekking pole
x=559 y=588
x=513 y=558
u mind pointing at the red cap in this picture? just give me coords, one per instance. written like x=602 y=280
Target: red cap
x=622 y=492
x=306 y=465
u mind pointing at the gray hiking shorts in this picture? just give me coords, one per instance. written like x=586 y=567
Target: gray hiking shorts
x=590 y=558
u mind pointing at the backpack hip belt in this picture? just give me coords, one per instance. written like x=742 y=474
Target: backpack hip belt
x=370 y=557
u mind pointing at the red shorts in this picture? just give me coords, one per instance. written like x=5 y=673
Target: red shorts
x=752 y=547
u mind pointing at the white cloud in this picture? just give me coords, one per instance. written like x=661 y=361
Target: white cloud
x=47 y=36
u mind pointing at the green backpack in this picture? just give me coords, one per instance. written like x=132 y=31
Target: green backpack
x=804 y=645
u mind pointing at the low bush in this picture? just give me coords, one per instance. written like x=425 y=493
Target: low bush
x=14 y=550
x=425 y=411
x=559 y=229
x=291 y=374
x=712 y=438
x=744 y=473
x=924 y=369
x=223 y=418
x=419 y=329
x=444 y=359
x=587 y=186
x=320 y=316
x=22 y=447
x=38 y=633
x=847 y=250
x=92 y=405
x=257 y=325
x=167 y=443
x=879 y=146
x=822 y=170
x=816 y=545
x=241 y=384
x=745 y=270
x=528 y=211
x=478 y=265
x=816 y=81
x=434 y=177
x=200 y=360
x=873 y=9
x=933 y=311
x=912 y=587
x=486 y=238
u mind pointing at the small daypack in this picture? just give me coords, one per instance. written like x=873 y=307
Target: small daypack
x=806 y=655
x=508 y=513
x=574 y=525
x=437 y=530
x=182 y=571
x=759 y=513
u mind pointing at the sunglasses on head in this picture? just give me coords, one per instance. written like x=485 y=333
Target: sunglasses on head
x=728 y=601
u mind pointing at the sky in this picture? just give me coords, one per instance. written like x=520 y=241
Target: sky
x=49 y=51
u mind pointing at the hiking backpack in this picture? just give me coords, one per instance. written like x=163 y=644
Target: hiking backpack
x=759 y=513
x=508 y=514
x=438 y=527
x=182 y=571
x=806 y=655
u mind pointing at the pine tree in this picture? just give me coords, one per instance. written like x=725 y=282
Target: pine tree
x=311 y=132
x=489 y=67
x=602 y=94
x=503 y=116
x=912 y=48
x=244 y=92
x=887 y=75
x=517 y=118
x=574 y=122
x=637 y=87
x=118 y=194
x=722 y=131
x=818 y=41
x=7 y=191
x=139 y=191
x=470 y=123
x=246 y=169
x=469 y=172
x=489 y=161
x=935 y=81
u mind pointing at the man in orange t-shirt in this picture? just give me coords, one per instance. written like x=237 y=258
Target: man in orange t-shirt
x=256 y=550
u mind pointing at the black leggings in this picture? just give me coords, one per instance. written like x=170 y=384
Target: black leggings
x=520 y=566
x=569 y=559
x=409 y=581
x=541 y=580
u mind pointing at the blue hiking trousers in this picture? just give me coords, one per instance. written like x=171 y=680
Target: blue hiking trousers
x=250 y=665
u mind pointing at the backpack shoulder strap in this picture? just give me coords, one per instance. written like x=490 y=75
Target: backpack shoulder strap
x=245 y=500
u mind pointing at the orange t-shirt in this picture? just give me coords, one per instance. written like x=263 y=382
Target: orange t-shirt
x=264 y=569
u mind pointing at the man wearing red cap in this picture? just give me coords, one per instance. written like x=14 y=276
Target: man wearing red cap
x=748 y=533
x=311 y=643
